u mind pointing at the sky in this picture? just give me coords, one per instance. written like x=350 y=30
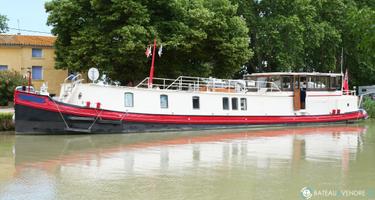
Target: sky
x=30 y=13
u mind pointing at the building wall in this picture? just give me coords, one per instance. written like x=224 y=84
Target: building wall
x=20 y=58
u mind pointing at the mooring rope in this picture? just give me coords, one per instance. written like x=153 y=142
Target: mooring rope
x=62 y=117
x=123 y=115
x=97 y=117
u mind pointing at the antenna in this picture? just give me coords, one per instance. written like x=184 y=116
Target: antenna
x=19 y=30
x=342 y=59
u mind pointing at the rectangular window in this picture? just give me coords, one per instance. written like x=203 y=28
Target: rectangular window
x=37 y=72
x=286 y=83
x=163 y=101
x=234 y=103
x=243 y=103
x=335 y=83
x=195 y=102
x=3 y=67
x=319 y=83
x=225 y=103
x=36 y=53
x=129 y=99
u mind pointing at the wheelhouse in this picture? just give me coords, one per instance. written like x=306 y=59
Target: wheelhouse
x=290 y=81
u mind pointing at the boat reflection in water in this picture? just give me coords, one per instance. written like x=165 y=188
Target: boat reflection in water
x=165 y=162
x=153 y=151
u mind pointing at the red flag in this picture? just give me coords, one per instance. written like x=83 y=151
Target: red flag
x=346 y=82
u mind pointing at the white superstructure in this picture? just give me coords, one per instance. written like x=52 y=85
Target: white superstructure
x=261 y=94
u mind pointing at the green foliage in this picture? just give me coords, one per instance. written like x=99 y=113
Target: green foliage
x=6 y=121
x=293 y=35
x=3 y=24
x=369 y=106
x=9 y=80
x=199 y=37
x=360 y=42
x=215 y=37
x=308 y=35
x=6 y=116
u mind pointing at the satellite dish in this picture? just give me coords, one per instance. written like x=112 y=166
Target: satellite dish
x=93 y=74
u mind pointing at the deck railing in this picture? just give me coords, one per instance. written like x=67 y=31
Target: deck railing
x=187 y=83
x=349 y=92
x=69 y=84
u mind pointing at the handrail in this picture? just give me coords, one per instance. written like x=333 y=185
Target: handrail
x=72 y=77
x=163 y=85
x=76 y=76
x=209 y=84
x=361 y=98
x=68 y=78
x=68 y=87
x=349 y=92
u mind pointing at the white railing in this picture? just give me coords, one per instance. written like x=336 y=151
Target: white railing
x=349 y=92
x=69 y=84
x=210 y=85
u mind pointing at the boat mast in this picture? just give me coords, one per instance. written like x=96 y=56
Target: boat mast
x=341 y=67
x=342 y=59
x=152 y=66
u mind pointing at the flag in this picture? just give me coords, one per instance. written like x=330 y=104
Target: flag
x=346 y=81
x=160 y=50
x=148 y=51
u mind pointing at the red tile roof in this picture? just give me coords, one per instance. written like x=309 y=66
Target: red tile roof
x=27 y=40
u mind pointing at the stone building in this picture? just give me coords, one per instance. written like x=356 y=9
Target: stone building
x=36 y=54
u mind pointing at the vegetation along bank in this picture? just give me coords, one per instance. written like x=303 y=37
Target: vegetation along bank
x=6 y=122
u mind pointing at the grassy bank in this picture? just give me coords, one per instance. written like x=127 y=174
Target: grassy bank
x=6 y=122
x=369 y=106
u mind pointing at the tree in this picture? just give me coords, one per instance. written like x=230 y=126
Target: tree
x=199 y=37
x=290 y=35
x=308 y=35
x=3 y=24
x=9 y=80
x=359 y=45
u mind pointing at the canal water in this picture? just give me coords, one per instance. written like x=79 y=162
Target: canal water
x=317 y=162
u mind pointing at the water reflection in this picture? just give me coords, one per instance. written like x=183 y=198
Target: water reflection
x=45 y=167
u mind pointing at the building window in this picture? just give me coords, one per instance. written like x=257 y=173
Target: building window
x=243 y=103
x=36 y=53
x=129 y=99
x=163 y=101
x=225 y=103
x=234 y=103
x=195 y=102
x=3 y=67
x=37 y=72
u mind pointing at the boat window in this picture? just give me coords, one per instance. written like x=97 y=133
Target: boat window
x=335 y=83
x=318 y=83
x=243 y=103
x=261 y=82
x=129 y=99
x=311 y=82
x=225 y=103
x=195 y=102
x=322 y=82
x=234 y=103
x=286 y=83
x=163 y=101
x=274 y=83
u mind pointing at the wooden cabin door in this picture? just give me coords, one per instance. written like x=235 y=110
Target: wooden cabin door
x=297 y=93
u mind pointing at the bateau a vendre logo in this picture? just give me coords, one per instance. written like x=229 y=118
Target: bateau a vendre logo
x=309 y=193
